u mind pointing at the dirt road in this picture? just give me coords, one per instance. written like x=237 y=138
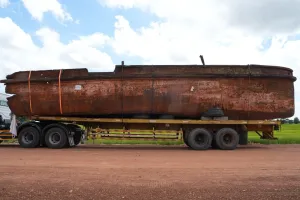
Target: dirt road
x=141 y=172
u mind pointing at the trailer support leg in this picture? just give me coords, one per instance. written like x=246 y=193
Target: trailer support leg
x=267 y=135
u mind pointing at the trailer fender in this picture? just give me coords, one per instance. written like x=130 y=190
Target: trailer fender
x=27 y=124
x=60 y=125
x=78 y=132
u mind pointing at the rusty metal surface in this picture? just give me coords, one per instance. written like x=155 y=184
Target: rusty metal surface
x=244 y=92
x=208 y=69
x=46 y=74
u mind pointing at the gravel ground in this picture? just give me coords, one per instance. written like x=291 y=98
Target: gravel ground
x=150 y=172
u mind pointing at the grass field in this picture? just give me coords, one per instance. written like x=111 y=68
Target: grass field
x=289 y=134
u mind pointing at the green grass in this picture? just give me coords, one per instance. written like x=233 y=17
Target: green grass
x=111 y=141
x=289 y=134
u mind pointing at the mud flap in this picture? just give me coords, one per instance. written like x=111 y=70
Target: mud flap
x=71 y=140
x=243 y=138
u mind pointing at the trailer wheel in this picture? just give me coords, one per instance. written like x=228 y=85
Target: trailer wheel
x=214 y=112
x=56 y=138
x=199 y=139
x=29 y=137
x=227 y=139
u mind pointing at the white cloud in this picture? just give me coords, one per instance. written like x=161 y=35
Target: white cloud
x=38 y=8
x=268 y=16
x=259 y=16
x=19 y=52
x=225 y=32
x=95 y=40
x=4 y=3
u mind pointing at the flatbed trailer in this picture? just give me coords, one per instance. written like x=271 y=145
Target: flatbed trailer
x=221 y=133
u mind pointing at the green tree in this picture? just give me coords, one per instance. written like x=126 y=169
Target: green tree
x=282 y=121
x=296 y=120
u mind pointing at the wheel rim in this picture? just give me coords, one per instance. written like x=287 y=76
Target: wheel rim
x=201 y=139
x=54 y=138
x=228 y=138
x=28 y=138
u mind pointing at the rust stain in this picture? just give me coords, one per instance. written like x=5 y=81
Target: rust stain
x=243 y=92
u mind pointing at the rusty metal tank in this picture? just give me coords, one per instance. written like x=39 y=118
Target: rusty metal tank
x=254 y=92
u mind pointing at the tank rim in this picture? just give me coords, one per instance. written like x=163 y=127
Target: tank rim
x=197 y=65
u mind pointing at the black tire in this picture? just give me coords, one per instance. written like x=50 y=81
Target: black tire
x=56 y=138
x=141 y=116
x=29 y=137
x=227 y=139
x=214 y=112
x=185 y=138
x=199 y=134
x=166 y=117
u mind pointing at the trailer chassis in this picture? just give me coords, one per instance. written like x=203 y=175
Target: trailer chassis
x=220 y=133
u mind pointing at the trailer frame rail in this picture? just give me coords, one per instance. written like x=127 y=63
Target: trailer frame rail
x=156 y=121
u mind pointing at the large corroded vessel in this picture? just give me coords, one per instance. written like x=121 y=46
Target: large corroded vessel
x=182 y=91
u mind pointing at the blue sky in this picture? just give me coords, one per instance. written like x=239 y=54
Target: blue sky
x=92 y=17
x=151 y=32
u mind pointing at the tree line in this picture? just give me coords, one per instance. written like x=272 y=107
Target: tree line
x=290 y=121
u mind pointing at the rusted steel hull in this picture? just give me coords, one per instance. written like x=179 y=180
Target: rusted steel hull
x=243 y=92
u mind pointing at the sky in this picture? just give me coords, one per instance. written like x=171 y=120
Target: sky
x=98 y=34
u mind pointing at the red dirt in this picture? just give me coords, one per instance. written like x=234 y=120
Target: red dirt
x=143 y=172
